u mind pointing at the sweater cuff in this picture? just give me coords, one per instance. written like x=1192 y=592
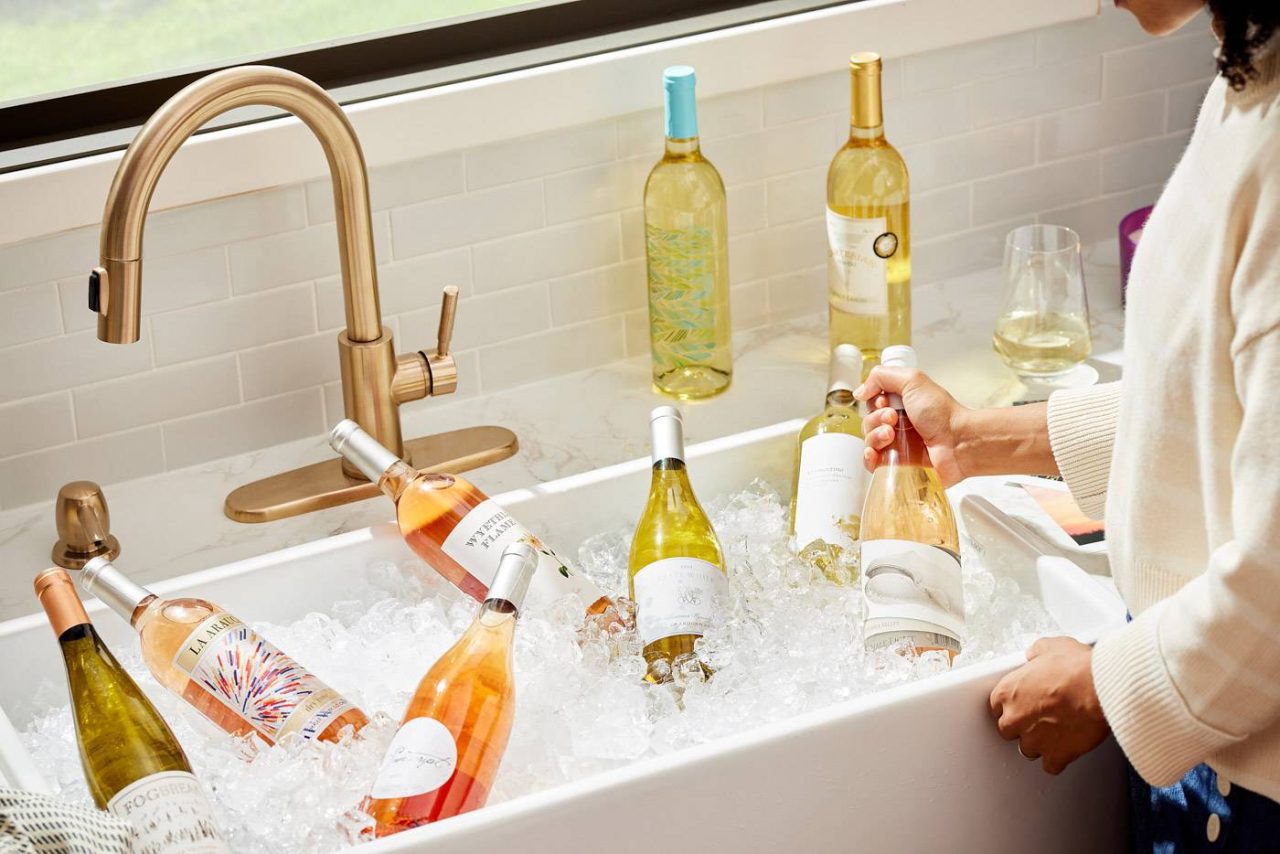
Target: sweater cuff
x=1082 y=432
x=1161 y=737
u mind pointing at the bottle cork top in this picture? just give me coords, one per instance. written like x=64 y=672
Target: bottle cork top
x=57 y=594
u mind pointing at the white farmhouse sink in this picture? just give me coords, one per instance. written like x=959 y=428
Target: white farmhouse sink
x=913 y=768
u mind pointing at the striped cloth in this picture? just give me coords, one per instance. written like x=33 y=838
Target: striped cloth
x=31 y=823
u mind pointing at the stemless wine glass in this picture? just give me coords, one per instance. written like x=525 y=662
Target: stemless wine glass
x=1043 y=328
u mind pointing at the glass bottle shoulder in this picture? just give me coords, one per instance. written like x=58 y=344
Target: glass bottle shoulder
x=833 y=419
x=864 y=166
x=691 y=180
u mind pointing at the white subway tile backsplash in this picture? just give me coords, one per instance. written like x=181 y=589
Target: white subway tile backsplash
x=220 y=222
x=972 y=155
x=394 y=186
x=408 y=285
x=551 y=252
x=797 y=195
x=1036 y=92
x=1077 y=123
x=940 y=212
x=289 y=365
x=528 y=157
x=236 y=324
x=797 y=294
x=29 y=314
x=35 y=423
x=242 y=428
x=53 y=364
x=952 y=66
x=110 y=459
x=1021 y=194
x=142 y=399
x=1090 y=37
x=596 y=190
x=927 y=116
x=1077 y=131
x=1099 y=219
x=1184 y=106
x=746 y=207
x=777 y=150
x=169 y=282
x=485 y=319
x=1157 y=65
x=561 y=350
x=460 y=220
x=607 y=291
x=1141 y=164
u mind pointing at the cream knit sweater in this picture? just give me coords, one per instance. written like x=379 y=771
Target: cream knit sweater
x=1185 y=455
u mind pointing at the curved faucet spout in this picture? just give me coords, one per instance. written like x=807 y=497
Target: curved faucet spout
x=116 y=286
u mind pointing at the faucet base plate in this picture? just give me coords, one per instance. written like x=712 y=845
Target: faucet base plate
x=323 y=485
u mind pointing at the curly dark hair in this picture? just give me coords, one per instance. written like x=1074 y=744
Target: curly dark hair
x=1245 y=27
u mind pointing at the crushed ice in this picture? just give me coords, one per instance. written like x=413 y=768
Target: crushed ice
x=792 y=644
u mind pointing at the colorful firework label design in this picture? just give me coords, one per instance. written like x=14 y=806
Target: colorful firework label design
x=682 y=280
x=479 y=539
x=272 y=693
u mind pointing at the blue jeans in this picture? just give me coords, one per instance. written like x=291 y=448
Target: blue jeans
x=1180 y=818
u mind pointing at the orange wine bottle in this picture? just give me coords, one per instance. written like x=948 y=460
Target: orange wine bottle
x=443 y=759
x=456 y=528
x=232 y=675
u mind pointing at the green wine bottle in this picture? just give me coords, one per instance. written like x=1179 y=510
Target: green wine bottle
x=134 y=765
x=687 y=250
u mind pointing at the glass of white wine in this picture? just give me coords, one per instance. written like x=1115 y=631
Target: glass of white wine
x=1043 y=329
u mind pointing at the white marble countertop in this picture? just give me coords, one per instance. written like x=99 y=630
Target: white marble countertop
x=172 y=523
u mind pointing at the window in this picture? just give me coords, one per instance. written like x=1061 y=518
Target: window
x=75 y=72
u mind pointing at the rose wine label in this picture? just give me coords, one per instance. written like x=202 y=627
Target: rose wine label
x=169 y=813
x=912 y=591
x=266 y=688
x=420 y=759
x=831 y=485
x=678 y=596
x=477 y=542
x=857 y=272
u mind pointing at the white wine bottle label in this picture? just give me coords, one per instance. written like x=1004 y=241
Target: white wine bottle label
x=857 y=263
x=169 y=812
x=477 y=543
x=682 y=267
x=679 y=596
x=911 y=589
x=266 y=688
x=830 y=487
x=420 y=759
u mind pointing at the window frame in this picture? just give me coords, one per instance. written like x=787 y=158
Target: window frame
x=360 y=61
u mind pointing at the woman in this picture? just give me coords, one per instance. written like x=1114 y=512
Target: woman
x=1185 y=455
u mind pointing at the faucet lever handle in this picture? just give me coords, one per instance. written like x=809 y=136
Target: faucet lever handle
x=448 y=310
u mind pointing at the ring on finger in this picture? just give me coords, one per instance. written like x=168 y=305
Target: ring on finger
x=1024 y=755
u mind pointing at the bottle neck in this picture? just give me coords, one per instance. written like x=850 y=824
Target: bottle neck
x=57 y=595
x=676 y=148
x=908 y=449
x=841 y=397
x=866 y=114
x=113 y=587
x=865 y=134
x=667 y=441
x=396 y=479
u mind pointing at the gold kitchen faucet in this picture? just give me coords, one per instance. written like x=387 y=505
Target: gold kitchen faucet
x=375 y=381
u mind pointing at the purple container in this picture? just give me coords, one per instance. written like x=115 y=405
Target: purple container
x=1130 y=232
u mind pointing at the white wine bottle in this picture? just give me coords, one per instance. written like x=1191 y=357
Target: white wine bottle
x=134 y=765
x=687 y=252
x=868 y=227
x=911 y=582
x=830 y=481
x=678 y=578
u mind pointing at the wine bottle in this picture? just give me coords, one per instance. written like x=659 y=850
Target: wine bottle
x=910 y=558
x=455 y=527
x=227 y=671
x=134 y=766
x=678 y=577
x=868 y=227
x=830 y=480
x=443 y=759
x=687 y=250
